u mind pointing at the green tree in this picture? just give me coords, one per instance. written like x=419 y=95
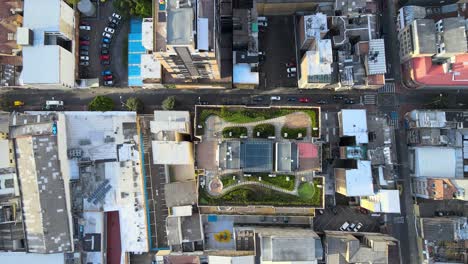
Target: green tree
x=134 y=104
x=169 y=103
x=101 y=103
x=138 y=8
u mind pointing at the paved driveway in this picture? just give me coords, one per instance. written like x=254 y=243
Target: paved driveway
x=330 y=221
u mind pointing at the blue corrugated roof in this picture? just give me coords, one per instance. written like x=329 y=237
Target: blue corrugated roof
x=135 y=49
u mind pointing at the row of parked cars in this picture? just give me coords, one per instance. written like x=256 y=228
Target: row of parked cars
x=84 y=44
x=107 y=35
x=353 y=227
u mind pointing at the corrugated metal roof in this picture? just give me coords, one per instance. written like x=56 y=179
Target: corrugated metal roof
x=376 y=58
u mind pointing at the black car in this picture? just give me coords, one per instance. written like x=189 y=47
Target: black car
x=84 y=53
x=292 y=99
x=105 y=62
x=349 y=101
x=258 y=99
x=84 y=38
x=112 y=25
x=105 y=45
x=321 y=102
x=84 y=63
x=104 y=51
x=86 y=48
x=338 y=97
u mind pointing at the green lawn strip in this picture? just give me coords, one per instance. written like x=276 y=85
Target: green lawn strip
x=264 y=131
x=228 y=180
x=293 y=133
x=246 y=115
x=234 y=132
x=255 y=195
x=278 y=181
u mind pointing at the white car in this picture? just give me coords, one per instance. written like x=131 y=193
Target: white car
x=84 y=58
x=275 y=98
x=345 y=226
x=117 y=16
x=358 y=227
x=109 y=30
x=85 y=27
x=291 y=70
x=106 y=35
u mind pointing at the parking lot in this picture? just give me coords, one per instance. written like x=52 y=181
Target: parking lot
x=117 y=50
x=278 y=42
x=331 y=221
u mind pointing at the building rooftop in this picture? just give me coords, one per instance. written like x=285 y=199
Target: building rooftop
x=426 y=73
x=147 y=33
x=150 y=67
x=358 y=181
x=184 y=229
x=23 y=257
x=256 y=156
x=427 y=118
x=384 y=201
x=287 y=156
x=454 y=35
x=243 y=74
x=289 y=245
x=444 y=228
x=376 y=58
x=424 y=34
x=427 y=162
x=181 y=193
x=172 y=153
x=180 y=17
x=353 y=123
x=319 y=62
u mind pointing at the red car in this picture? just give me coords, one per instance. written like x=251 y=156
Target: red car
x=304 y=100
x=84 y=42
x=105 y=57
x=107 y=78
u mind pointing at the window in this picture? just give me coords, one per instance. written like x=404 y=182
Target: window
x=11 y=36
x=433 y=185
x=434 y=193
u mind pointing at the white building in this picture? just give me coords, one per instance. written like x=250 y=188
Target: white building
x=384 y=201
x=355 y=182
x=48 y=40
x=353 y=123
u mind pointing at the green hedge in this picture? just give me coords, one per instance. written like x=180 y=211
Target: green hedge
x=293 y=133
x=278 y=181
x=228 y=181
x=234 y=132
x=266 y=130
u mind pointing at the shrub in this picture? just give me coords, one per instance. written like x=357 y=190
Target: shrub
x=265 y=130
x=101 y=103
x=293 y=133
x=169 y=103
x=134 y=104
x=234 y=132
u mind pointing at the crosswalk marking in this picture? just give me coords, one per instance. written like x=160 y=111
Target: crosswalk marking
x=387 y=88
x=369 y=99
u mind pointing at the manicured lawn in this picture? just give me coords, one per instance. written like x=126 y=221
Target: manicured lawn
x=278 y=181
x=264 y=131
x=228 y=180
x=247 y=115
x=293 y=133
x=234 y=132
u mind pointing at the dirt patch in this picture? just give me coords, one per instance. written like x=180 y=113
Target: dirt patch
x=297 y=120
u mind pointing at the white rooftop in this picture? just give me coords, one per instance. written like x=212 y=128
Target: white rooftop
x=172 y=153
x=385 y=201
x=359 y=181
x=4 y=153
x=177 y=121
x=438 y=162
x=376 y=58
x=428 y=118
x=22 y=257
x=231 y=260
x=319 y=61
x=147 y=33
x=353 y=122
x=150 y=67
x=242 y=74
x=315 y=24
x=202 y=34
x=48 y=20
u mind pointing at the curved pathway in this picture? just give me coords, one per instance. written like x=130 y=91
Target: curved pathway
x=269 y=186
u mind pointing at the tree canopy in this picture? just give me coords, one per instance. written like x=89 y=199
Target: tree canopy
x=134 y=104
x=101 y=103
x=168 y=103
x=138 y=8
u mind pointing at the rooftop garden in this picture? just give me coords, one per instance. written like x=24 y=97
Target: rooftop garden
x=264 y=131
x=309 y=195
x=286 y=182
x=293 y=133
x=242 y=115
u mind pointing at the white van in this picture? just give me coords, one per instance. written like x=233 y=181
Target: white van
x=53 y=104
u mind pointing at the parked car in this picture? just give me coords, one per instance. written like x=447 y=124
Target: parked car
x=86 y=48
x=291 y=69
x=115 y=15
x=304 y=100
x=107 y=77
x=84 y=42
x=319 y=211
x=258 y=99
x=104 y=51
x=108 y=83
x=262 y=21
x=85 y=27
x=106 y=72
x=54 y=128
x=105 y=62
x=351 y=227
x=104 y=46
x=292 y=99
x=112 y=25
x=349 y=101
x=357 y=227
x=84 y=63
x=338 y=97
x=106 y=40
x=106 y=35
x=84 y=53
x=275 y=98
x=290 y=64
x=84 y=58
x=321 y=102
x=18 y=103
x=113 y=20
x=291 y=75
x=109 y=30
x=84 y=23
x=104 y=57
x=84 y=38
x=344 y=226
